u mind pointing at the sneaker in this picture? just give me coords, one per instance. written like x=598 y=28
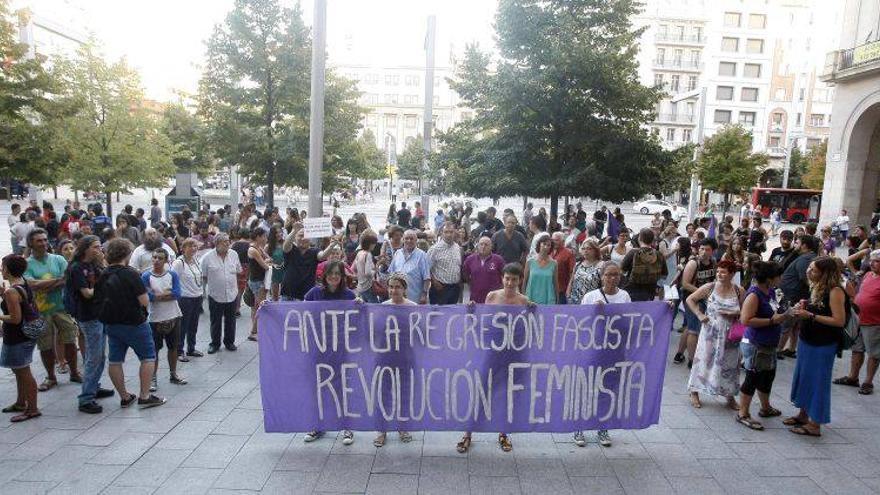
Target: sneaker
x=91 y=408
x=182 y=358
x=212 y=349
x=347 y=437
x=690 y=363
x=103 y=393
x=151 y=401
x=231 y=347
x=127 y=401
x=579 y=439
x=312 y=436
x=679 y=358
x=195 y=354
x=604 y=438
x=154 y=385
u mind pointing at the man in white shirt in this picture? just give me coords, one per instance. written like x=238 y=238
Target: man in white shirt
x=843 y=224
x=220 y=270
x=444 y=258
x=21 y=229
x=142 y=257
x=13 y=219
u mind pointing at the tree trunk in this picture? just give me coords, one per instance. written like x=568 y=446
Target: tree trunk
x=525 y=202
x=75 y=196
x=55 y=191
x=117 y=196
x=269 y=190
x=109 y=206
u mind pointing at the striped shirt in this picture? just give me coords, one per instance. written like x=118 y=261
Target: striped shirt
x=445 y=260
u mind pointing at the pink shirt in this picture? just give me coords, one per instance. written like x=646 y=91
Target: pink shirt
x=868 y=300
x=484 y=275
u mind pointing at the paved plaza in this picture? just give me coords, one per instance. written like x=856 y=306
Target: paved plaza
x=209 y=439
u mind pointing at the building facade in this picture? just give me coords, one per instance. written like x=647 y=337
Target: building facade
x=852 y=172
x=51 y=27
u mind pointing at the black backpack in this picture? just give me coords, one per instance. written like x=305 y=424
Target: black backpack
x=107 y=285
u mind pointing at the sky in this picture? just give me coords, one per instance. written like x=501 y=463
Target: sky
x=165 y=39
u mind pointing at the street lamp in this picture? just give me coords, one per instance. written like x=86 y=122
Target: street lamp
x=700 y=94
x=391 y=161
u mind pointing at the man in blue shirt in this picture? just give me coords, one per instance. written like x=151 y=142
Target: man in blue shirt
x=413 y=262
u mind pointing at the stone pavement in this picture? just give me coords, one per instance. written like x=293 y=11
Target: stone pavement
x=209 y=439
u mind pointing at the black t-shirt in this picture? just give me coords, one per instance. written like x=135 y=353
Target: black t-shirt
x=299 y=272
x=241 y=249
x=83 y=276
x=782 y=257
x=403 y=217
x=117 y=291
x=818 y=334
x=13 y=334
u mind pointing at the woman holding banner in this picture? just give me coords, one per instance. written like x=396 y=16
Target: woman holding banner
x=397 y=285
x=716 y=360
x=333 y=287
x=609 y=293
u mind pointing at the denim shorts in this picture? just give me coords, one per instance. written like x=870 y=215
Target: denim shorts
x=138 y=337
x=757 y=357
x=17 y=355
x=256 y=286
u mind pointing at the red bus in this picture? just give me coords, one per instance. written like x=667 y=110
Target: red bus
x=797 y=205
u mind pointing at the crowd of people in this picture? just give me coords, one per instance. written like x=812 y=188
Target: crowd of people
x=80 y=285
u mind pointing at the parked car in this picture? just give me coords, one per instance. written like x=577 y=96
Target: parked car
x=651 y=206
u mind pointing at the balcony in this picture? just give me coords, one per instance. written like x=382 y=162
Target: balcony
x=851 y=63
x=776 y=152
x=679 y=65
x=675 y=118
x=774 y=127
x=680 y=39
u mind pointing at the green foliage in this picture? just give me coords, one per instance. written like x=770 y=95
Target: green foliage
x=727 y=165
x=254 y=95
x=111 y=141
x=678 y=176
x=188 y=135
x=562 y=111
x=409 y=162
x=814 y=178
x=369 y=161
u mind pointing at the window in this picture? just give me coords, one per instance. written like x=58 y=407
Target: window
x=411 y=121
x=722 y=116
x=686 y=135
x=798 y=120
x=749 y=94
x=698 y=33
x=661 y=55
x=676 y=81
x=780 y=94
x=663 y=29
x=678 y=54
x=813 y=142
x=752 y=70
x=411 y=80
x=757 y=21
x=679 y=32
x=673 y=109
x=392 y=80
x=754 y=46
x=747 y=119
x=371 y=120
x=730 y=45
x=732 y=19
x=801 y=94
x=670 y=134
x=436 y=100
x=776 y=118
x=390 y=99
x=692 y=83
x=724 y=93
x=658 y=80
x=817 y=119
x=372 y=79
x=436 y=82
x=726 y=68
x=690 y=110
x=695 y=57
x=390 y=120
x=774 y=142
x=410 y=99
x=371 y=99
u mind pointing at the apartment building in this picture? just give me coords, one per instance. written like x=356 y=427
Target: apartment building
x=51 y=27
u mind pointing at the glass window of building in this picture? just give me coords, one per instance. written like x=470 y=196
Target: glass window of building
x=749 y=94
x=732 y=19
x=390 y=99
x=724 y=93
x=722 y=116
x=754 y=45
x=390 y=120
x=661 y=55
x=411 y=121
x=727 y=68
x=747 y=119
x=675 y=83
x=752 y=70
x=692 y=83
x=392 y=79
x=729 y=44
x=686 y=135
x=670 y=134
x=658 y=80
x=757 y=21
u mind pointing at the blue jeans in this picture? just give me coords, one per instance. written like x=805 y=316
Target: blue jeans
x=189 y=323
x=368 y=296
x=446 y=295
x=96 y=341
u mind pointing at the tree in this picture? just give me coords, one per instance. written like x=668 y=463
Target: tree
x=369 y=161
x=113 y=143
x=727 y=165
x=814 y=178
x=188 y=135
x=409 y=162
x=254 y=94
x=25 y=100
x=562 y=110
x=678 y=176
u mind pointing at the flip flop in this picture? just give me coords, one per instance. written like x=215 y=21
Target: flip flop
x=793 y=421
x=845 y=380
x=866 y=389
x=14 y=408
x=769 y=413
x=25 y=417
x=800 y=430
x=47 y=385
x=748 y=422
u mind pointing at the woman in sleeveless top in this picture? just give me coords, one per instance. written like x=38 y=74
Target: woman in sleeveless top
x=823 y=318
x=18 y=350
x=715 y=368
x=258 y=263
x=586 y=272
x=540 y=273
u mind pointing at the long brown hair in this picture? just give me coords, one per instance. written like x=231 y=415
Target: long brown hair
x=829 y=278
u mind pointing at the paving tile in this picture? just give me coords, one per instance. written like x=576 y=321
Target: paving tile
x=689 y=486
x=539 y=485
x=215 y=451
x=540 y=468
x=832 y=479
x=126 y=449
x=301 y=456
x=345 y=473
x=491 y=462
x=398 y=458
x=9 y=470
x=189 y=481
x=63 y=464
x=291 y=482
x=153 y=468
x=214 y=409
x=88 y=478
x=402 y=484
x=187 y=435
x=253 y=464
x=494 y=485
x=105 y=432
x=42 y=445
x=240 y=422
x=587 y=461
x=676 y=460
x=641 y=476
x=442 y=475
x=27 y=487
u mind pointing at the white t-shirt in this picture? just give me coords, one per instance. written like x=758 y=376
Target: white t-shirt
x=162 y=310
x=594 y=297
x=190 y=275
x=406 y=302
x=843 y=222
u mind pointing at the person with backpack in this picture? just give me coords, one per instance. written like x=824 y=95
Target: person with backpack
x=79 y=300
x=644 y=267
x=100 y=221
x=698 y=271
x=868 y=339
x=17 y=350
x=123 y=302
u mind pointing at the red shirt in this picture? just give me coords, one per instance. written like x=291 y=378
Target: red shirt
x=564 y=266
x=868 y=300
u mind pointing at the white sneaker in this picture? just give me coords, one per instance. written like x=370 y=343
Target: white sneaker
x=604 y=438
x=347 y=437
x=154 y=385
x=579 y=439
x=312 y=436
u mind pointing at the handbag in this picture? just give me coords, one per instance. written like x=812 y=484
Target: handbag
x=164 y=327
x=32 y=324
x=737 y=329
x=248 y=296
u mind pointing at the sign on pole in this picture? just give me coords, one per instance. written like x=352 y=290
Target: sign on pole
x=317 y=227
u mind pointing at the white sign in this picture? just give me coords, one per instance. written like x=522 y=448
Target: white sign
x=318 y=227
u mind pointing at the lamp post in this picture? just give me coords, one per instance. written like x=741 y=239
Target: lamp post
x=316 y=119
x=701 y=126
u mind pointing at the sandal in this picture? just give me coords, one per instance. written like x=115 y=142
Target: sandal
x=63 y=368
x=793 y=421
x=178 y=380
x=47 y=385
x=25 y=417
x=695 y=401
x=76 y=378
x=405 y=437
x=866 y=389
x=802 y=430
x=504 y=442
x=465 y=444
x=380 y=440
x=14 y=408
x=731 y=404
x=252 y=337
x=845 y=380
x=769 y=413
x=748 y=422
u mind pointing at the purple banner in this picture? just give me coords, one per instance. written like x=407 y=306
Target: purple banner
x=335 y=365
